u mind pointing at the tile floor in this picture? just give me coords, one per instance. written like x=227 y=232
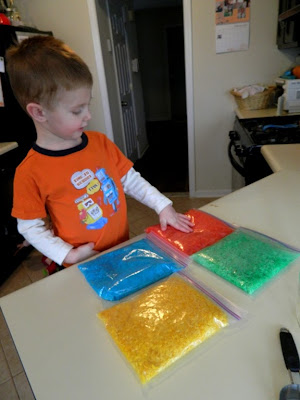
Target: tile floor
x=13 y=381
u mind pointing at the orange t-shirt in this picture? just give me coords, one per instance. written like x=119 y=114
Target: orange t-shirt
x=79 y=188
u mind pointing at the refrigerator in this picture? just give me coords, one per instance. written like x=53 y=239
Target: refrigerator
x=15 y=126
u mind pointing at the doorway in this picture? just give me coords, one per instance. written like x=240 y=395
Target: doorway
x=162 y=65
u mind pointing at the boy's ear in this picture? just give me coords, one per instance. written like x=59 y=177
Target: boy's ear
x=36 y=112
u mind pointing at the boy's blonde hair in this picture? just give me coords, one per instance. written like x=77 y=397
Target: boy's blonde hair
x=41 y=66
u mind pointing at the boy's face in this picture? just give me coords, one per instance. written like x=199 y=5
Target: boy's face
x=70 y=115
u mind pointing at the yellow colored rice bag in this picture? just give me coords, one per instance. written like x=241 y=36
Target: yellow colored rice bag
x=162 y=324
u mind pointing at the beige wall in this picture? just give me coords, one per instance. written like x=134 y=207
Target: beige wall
x=69 y=21
x=214 y=74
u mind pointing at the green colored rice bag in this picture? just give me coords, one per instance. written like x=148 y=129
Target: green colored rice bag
x=246 y=258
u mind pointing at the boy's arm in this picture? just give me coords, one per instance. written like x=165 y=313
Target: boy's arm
x=141 y=190
x=41 y=237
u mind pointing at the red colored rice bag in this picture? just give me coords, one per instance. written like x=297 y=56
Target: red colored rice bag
x=207 y=231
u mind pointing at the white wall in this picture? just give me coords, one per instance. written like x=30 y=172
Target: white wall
x=69 y=21
x=215 y=74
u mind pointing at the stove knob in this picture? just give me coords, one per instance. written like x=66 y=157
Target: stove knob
x=233 y=135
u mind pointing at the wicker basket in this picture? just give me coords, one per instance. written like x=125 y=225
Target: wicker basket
x=256 y=102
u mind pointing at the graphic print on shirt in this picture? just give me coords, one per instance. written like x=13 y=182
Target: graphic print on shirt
x=88 y=204
x=110 y=191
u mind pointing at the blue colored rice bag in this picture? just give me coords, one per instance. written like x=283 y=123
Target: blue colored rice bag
x=128 y=269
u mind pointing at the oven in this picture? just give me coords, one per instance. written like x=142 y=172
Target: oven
x=249 y=135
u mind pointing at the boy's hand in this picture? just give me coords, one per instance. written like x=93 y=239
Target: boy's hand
x=81 y=253
x=168 y=216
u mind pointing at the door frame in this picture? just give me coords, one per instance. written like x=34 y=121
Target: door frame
x=188 y=49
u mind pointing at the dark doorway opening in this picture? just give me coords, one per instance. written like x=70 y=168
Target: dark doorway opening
x=165 y=162
x=176 y=66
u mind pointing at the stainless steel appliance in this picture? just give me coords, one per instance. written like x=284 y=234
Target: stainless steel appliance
x=291 y=95
x=249 y=135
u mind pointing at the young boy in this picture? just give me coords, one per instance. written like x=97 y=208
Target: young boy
x=78 y=178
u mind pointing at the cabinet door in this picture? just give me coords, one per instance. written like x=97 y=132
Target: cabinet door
x=15 y=124
x=288 y=33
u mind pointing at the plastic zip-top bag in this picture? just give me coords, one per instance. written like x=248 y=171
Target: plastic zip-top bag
x=123 y=271
x=207 y=230
x=246 y=259
x=162 y=323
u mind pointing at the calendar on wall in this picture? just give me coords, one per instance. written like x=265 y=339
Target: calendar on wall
x=232 y=25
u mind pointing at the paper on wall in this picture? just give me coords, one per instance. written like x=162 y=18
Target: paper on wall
x=232 y=37
x=232 y=25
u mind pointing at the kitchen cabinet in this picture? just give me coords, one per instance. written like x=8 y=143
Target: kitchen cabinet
x=11 y=254
x=288 y=33
x=16 y=127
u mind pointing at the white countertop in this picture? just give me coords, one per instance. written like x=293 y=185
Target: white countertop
x=263 y=113
x=7 y=146
x=67 y=353
x=282 y=156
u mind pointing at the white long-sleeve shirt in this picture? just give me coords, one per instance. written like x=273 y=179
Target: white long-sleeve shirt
x=41 y=237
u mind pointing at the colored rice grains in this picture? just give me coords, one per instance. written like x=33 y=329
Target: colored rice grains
x=246 y=258
x=206 y=231
x=121 y=272
x=162 y=324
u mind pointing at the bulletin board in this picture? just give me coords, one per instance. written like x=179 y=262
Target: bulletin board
x=232 y=25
